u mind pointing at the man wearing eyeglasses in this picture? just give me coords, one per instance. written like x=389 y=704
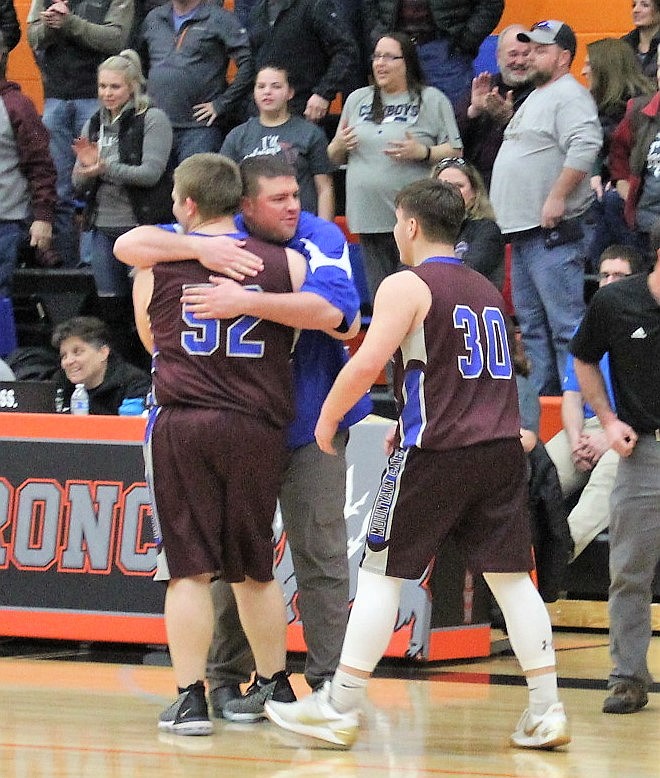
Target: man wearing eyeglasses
x=584 y=460
x=540 y=191
x=623 y=320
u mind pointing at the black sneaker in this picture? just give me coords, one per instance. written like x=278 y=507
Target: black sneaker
x=220 y=696
x=625 y=697
x=188 y=714
x=250 y=707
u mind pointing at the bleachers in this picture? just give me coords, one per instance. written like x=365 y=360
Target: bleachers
x=44 y=298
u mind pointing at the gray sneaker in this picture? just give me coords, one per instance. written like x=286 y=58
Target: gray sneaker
x=221 y=695
x=250 y=707
x=188 y=714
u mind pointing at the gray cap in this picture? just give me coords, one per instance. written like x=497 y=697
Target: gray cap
x=551 y=32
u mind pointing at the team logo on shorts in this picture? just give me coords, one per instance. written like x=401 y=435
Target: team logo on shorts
x=378 y=533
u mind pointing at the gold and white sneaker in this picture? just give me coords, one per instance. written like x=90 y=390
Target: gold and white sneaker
x=315 y=717
x=547 y=731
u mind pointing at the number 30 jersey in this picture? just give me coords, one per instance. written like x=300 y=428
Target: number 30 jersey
x=240 y=364
x=453 y=377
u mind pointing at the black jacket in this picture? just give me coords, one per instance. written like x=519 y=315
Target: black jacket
x=467 y=23
x=9 y=25
x=483 y=249
x=309 y=39
x=551 y=537
x=122 y=380
x=151 y=204
x=649 y=60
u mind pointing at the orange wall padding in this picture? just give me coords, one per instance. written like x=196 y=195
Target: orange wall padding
x=589 y=20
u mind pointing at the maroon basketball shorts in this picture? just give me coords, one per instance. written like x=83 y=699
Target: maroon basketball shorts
x=478 y=495
x=216 y=477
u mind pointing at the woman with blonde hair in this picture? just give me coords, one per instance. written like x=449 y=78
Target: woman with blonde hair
x=614 y=76
x=480 y=243
x=122 y=172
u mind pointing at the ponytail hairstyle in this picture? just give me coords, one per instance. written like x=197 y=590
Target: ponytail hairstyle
x=128 y=63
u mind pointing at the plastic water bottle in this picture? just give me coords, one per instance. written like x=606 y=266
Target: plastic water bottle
x=80 y=401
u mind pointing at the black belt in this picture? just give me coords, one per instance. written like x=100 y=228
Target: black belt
x=520 y=234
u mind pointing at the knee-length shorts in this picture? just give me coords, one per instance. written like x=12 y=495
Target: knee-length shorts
x=478 y=495
x=215 y=476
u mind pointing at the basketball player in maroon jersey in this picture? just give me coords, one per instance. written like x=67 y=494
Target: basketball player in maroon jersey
x=456 y=468
x=215 y=445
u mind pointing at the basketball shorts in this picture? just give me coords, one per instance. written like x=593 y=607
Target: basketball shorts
x=215 y=477
x=478 y=495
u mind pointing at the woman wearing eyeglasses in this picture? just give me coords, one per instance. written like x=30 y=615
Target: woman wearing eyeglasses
x=389 y=134
x=480 y=243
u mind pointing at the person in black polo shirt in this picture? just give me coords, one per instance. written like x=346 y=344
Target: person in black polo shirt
x=624 y=320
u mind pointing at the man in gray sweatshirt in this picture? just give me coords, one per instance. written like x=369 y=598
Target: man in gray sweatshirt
x=540 y=191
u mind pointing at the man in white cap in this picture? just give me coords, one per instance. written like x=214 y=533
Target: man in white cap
x=540 y=191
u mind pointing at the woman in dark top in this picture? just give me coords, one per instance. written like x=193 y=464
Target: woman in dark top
x=86 y=358
x=645 y=37
x=480 y=243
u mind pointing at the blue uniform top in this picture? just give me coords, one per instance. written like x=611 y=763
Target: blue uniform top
x=318 y=358
x=570 y=382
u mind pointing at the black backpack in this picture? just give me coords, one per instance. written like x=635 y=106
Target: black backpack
x=34 y=363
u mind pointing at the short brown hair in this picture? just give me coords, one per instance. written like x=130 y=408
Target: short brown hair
x=438 y=207
x=254 y=168
x=212 y=181
x=628 y=254
x=88 y=328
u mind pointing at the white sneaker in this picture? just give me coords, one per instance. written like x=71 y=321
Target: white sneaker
x=547 y=731
x=315 y=717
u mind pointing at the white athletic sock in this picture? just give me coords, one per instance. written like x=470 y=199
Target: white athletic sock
x=347 y=691
x=542 y=692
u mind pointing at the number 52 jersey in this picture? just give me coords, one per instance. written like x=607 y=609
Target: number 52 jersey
x=240 y=364
x=453 y=377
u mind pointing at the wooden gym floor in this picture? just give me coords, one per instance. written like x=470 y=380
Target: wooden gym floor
x=74 y=710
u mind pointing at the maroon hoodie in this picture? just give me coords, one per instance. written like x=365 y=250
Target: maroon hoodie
x=34 y=160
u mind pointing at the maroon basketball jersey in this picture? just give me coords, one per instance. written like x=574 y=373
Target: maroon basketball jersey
x=453 y=377
x=240 y=364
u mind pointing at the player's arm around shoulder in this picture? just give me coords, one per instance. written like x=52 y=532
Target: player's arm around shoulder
x=147 y=245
